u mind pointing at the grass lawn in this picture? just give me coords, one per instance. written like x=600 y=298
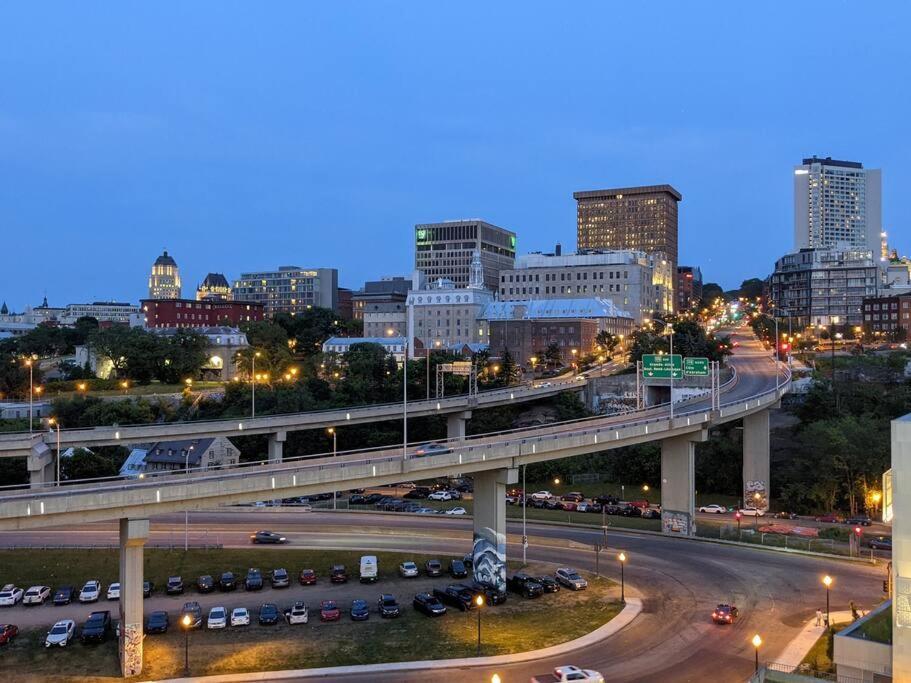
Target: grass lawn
x=819 y=658
x=878 y=628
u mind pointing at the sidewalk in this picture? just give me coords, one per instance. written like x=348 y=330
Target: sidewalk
x=798 y=648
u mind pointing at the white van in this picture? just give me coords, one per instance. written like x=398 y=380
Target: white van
x=368 y=569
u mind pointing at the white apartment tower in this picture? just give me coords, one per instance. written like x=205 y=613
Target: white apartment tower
x=837 y=203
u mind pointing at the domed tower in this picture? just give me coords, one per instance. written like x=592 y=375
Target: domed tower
x=164 y=282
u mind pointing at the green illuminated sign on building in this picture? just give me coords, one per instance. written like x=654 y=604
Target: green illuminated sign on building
x=422 y=235
x=512 y=241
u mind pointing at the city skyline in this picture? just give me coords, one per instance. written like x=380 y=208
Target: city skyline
x=114 y=150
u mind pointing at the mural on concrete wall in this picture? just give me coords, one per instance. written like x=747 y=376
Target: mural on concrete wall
x=677 y=523
x=902 y=602
x=131 y=660
x=756 y=495
x=488 y=559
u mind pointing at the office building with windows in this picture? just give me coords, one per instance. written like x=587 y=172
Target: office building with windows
x=290 y=289
x=445 y=250
x=689 y=287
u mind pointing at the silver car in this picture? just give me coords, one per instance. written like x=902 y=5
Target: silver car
x=571 y=579
x=61 y=633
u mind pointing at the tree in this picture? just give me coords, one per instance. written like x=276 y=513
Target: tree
x=607 y=341
x=711 y=291
x=509 y=370
x=752 y=288
x=182 y=355
x=553 y=355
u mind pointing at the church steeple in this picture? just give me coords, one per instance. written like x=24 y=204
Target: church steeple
x=476 y=275
x=3 y=309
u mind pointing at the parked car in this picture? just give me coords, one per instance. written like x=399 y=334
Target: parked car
x=218 y=618
x=408 y=570
x=267 y=537
x=831 y=518
x=605 y=499
x=157 y=622
x=571 y=579
x=724 y=614
x=280 y=578
x=359 y=610
x=439 y=495
x=96 y=627
x=630 y=510
x=372 y=498
x=174 y=586
x=567 y=505
x=429 y=605
x=457 y=511
x=880 y=543
x=542 y=495
x=387 y=606
x=307 y=577
x=525 y=585
x=194 y=612
x=651 y=513
x=491 y=594
x=433 y=568
x=368 y=569
x=227 y=582
x=268 y=614
x=61 y=633
x=329 y=611
x=859 y=520
x=113 y=591
x=714 y=508
x=240 y=616
x=64 y=595
x=357 y=499
x=338 y=574
x=751 y=512
x=36 y=595
x=297 y=613
x=785 y=515
x=147 y=589
x=432 y=449
x=254 y=580
x=456 y=595
x=7 y=633
x=457 y=569
x=573 y=496
x=548 y=583
x=205 y=584
x=90 y=592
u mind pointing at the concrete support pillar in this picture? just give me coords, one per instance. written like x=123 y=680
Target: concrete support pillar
x=276 y=446
x=41 y=466
x=901 y=548
x=678 y=483
x=133 y=536
x=489 y=550
x=756 y=460
x=455 y=424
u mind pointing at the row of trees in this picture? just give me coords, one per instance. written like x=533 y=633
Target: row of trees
x=690 y=339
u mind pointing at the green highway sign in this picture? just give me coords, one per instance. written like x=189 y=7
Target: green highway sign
x=696 y=367
x=661 y=366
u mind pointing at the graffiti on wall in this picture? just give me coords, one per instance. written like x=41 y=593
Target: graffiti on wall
x=756 y=495
x=676 y=523
x=131 y=659
x=488 y=559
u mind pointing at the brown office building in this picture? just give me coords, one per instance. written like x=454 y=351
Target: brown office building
x=640 y=218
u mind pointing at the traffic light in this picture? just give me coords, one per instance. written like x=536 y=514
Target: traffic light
x=859 y=531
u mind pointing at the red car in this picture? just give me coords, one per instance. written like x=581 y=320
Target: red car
x=724 y=614
x=830 y=518
x=7 y=633
x=307 y=577
x=569 y=505
x=329 y=611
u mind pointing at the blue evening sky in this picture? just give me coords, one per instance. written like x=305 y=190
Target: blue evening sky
x=246 y=135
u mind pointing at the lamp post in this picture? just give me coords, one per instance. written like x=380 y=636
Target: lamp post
x=669 y=330
x=757 y=641
x=645 y=492
x=186 y=644
x=256 y=355
x=479 y=603
x=54 y=422
x=827 y=582
x=31 y=391
x=524 y=508
x=186 y=513
x=622 y=558
x=331 y=430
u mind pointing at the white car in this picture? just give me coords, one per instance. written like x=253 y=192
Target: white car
x=297 y=613
x=218 y=618
x=570 y=673
x=440 y=495
x=457 y=511
x=61 y=633
x=10 y=595
x=542 y=495
x=91 y=591
x=752 y=512
x=408 y=569
x=36 y=595
x=571 y=579
x=114 y=591
x=717 y=509
x=240 y=617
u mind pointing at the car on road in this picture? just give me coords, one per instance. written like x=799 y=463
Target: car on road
x=408 y=570
x=439 y=495
x=280 y=578
x=90 y=592
x=830 y=518
x=36 y=595
x=573 y=497
x=147 y=589
x=157 y=622
x=267 y=537
x=64 y=595
x=455 y=595
x=297 y=613
x=61 y=633
x=174 y=586
x=307 y=577
x=359 y=610
x=525 y=585
x=429 y=605
x=329 y=611
x=751 y=512
x=240 y=616
x=457 y=569
x=227 y=582
x=192 y=610
x=96 y=627
x=880 y=543
x=268 y=614
x=651 y=513
x=338 y=574
x=548 y=583
x=426 y=511
x=254 y=580
x=713 y=508
x=7 y=633
x=571 y=579
x=569 y=674
x=432 y=448
x=388 y=607
x=433 y=568
x=218 y=618
x=785 y=515
x=457 y=511
x=542 y=495
x=205 y=584
x=113 y=591
x=725 y=614
x=859 y=520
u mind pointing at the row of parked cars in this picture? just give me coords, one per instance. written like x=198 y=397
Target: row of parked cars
x=575 y=501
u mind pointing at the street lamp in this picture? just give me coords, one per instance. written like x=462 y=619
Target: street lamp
x=556 y=481
x=81 y=387
x=331 y=431
x=186 y=644
x=757 y=641
x=524 y=508
x=495 y=678
x=645 y=492
x=877 y=496
x=827 y=581
x=253 y=377
x=31 y=389
x=669 y=331
x=479 y=602
x=622 y=558
x=186 y=513
x=54 y=422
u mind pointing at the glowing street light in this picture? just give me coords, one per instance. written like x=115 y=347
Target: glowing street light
x=827 y=582
x=757 y=641
x=256 y=355
x=186 y=644
x=479 y=603
x=54 y=422
x=622 y=558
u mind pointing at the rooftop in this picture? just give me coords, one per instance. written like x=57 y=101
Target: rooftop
x=611 y=193
x=165 y=260
x=552 y=308
x=829 y=161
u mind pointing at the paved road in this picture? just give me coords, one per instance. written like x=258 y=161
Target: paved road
x=673 y=640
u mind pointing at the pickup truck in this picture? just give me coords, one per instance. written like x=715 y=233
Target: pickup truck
x=455 y=596
x=565 y=674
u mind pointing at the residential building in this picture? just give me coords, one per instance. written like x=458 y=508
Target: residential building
x=445 y=250
x=824 y=287
x=638 y=218
x=214 y=288
x=105 y=312
x=388 y=290
x=341 y=345
x=632 y=281
x=164 y=281
x=837 y=204
x=888 y=316
x=443 y=315
x=383 y=319
x=168 y=456
x=345 y=303
x=290 y=289
x=689 y=287
x=191 y=313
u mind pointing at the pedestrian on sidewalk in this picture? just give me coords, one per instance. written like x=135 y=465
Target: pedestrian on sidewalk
x=819 y=617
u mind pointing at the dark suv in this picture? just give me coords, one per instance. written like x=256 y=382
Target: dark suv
x=205 y=584
x=388 y=607
x=194 y=611
x=227 y=582
x=96 y=627
x=525 y=585
x=174 y=585
x=280 y=578
x=456 y=596
x=338 y=574
x=254 y=580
